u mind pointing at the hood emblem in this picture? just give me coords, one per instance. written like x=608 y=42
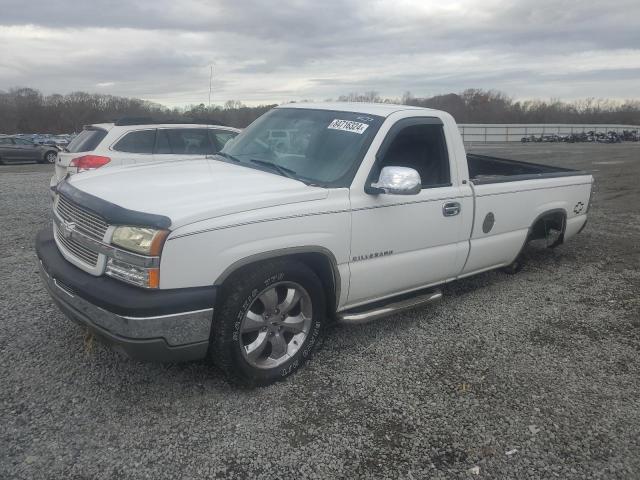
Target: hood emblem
x=69 y=228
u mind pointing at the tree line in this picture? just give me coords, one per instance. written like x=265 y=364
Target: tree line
x=490 y=106
x=26 y=110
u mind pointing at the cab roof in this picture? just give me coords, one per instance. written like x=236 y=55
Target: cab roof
x=109 y=126
x=380 y=109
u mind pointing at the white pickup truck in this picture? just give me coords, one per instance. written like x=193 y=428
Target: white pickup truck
x=355 y=212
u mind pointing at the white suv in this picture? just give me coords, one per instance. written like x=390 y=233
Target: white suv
x=124 y=143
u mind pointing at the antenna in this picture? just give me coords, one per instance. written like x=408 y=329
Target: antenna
x=210 y=84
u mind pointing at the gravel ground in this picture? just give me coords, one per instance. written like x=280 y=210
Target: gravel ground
x=527 y=376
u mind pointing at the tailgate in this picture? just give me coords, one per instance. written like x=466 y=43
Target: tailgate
x=85 y=143
x=62 y=162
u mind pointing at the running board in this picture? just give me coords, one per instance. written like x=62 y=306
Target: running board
x=383 y=310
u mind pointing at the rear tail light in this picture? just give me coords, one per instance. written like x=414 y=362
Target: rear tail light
x=89 y=162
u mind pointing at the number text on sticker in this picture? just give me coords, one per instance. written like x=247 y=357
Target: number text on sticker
x=348 y=126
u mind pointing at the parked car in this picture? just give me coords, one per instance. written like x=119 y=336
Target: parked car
x=127 y=142
x=59 y=140
x=17 y=149
x=246 y=256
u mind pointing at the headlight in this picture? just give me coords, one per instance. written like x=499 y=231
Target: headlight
x=146 y=241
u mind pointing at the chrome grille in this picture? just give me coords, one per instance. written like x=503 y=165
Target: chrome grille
x=86 y=221
x=76 y=249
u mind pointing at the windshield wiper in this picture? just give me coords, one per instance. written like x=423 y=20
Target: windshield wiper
x=284 y=171
x=227 y=156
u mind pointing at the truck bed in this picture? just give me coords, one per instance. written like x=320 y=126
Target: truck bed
x=484 y=169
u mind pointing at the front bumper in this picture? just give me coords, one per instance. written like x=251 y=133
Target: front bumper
x=160 y=325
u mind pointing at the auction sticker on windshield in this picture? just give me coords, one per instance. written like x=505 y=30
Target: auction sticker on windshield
x=348 y=126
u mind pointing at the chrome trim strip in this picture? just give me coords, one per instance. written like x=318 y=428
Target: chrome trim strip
x=171 y=315
x=108 y=250
x=242 y=224
x=524 y=189
x=328 y=212
x=449 y=197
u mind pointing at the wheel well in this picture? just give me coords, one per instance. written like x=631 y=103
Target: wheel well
x=321 y=264
x=323 y=267
x=542 y=226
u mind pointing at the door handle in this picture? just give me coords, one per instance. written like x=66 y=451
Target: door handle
x=450 y=209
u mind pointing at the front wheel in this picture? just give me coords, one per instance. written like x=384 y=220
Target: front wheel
x=268 y=322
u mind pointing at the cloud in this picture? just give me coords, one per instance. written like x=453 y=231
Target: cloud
x=267 y=52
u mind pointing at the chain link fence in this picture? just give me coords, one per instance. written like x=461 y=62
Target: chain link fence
x=487 y=133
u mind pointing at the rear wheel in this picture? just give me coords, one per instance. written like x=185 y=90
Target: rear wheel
x=515 y=266
x=269 y=320
x=547 y=231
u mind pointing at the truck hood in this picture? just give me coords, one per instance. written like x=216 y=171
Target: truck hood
x=188 y=191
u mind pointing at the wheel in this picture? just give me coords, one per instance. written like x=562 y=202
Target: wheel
x=49 y=157
x=515 y=266
x=270 y=318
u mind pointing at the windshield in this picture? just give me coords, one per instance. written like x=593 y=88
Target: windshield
x=322 y=147
x=87 y=140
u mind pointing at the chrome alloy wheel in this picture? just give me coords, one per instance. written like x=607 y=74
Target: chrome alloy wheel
x=51 y=157
x=276 y=325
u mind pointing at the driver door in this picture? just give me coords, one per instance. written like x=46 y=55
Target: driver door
x=7 y=150
x=26 y=150
x=406 y=242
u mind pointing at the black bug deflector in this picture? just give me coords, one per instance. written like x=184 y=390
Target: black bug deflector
x=112 y=213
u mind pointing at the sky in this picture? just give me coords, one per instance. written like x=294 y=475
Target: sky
x=265 y=52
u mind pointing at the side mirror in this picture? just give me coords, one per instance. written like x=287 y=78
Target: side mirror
x=397 y=181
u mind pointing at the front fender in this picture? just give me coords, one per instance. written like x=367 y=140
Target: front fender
x=206 y=254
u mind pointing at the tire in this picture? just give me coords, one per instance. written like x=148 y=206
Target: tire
x=514 y=267
x=262 y=333
x=49 y=157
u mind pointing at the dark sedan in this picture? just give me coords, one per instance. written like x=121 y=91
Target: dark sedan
x=16 y=149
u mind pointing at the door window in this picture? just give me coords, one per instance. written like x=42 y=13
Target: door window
x=162 y=142
x=222 y=137
x=87 y=140
x=141 y=141
x=5 y=141
x=423 y=148
x=184 y=141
